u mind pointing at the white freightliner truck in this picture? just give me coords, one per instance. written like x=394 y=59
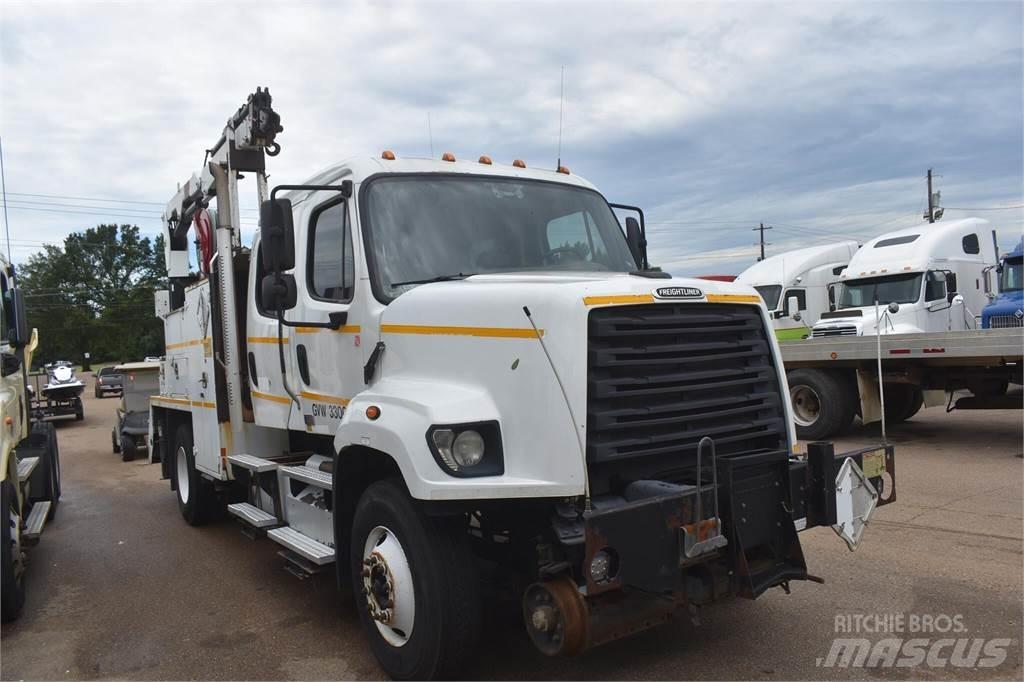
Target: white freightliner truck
x=423 y=365
x=931 y=283
x=804 y=275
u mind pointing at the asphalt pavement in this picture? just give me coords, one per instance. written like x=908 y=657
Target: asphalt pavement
x=120 y=587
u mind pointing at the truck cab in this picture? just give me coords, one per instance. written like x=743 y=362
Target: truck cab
x=1007 y=307
x=803 y=275
x=931 y=278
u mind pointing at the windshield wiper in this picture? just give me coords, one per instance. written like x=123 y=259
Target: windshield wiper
x=439 y=278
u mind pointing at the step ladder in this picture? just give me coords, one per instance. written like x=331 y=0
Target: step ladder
x=257 y=465
x=306 y=547
x=253 y=515
x=26 y=467
x=35 y=522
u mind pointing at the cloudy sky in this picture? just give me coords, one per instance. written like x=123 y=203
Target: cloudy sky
x=818 y=118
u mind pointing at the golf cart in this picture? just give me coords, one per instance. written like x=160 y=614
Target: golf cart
x=140 y=380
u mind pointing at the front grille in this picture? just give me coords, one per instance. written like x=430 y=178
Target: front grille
x=1006 y=321
x=842 y=330
x=662 y=376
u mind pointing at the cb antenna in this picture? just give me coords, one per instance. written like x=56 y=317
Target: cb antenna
x=561 y=102
x=430 y=135
x=3 y=186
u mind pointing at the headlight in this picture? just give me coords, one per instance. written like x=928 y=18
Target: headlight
x=467 y=450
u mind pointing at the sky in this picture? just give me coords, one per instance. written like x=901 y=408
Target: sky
x=819 y=119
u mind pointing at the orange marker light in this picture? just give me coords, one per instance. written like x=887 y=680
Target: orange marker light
x=486 y=160
x=519 y=163
x=388 y=155
x=447 y=156
x=372 y=412
x=563 y=169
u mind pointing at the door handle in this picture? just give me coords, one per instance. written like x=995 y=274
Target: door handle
x=252 y=370
x=300 y=353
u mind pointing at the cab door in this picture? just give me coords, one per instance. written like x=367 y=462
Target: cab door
x=270 y=402
x=328 y=361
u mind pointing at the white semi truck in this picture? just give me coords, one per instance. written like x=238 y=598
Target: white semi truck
x=425 y=364
x=804 y=275
x=930 y=284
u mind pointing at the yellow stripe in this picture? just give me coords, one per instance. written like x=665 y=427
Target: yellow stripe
x=324 y=398
x=493 y=332
x=733 y=298
x=264 y=339
x=618 y=298
x=200 y=403
x=186 y=344
x=164 y=399
x=347 y=329
x=272 y=398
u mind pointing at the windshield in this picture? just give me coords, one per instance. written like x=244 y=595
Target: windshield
x=770 y=294
x=885 y=290
x=1012 y=276
x=423 y=228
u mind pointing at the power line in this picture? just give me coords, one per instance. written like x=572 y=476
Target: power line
x=991 y=208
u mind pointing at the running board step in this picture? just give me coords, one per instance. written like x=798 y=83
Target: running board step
x=252 y=463
x=26 y=467
x=310 y=475
x=304 y=546
x=35 y=522
x=253 y=515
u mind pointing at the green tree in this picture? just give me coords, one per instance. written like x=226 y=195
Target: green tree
x=95 y=294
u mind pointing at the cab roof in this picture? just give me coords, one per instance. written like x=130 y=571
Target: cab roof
x=791 y=264
x=912 y=249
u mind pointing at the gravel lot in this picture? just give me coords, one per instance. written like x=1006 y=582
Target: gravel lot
x=120 y=587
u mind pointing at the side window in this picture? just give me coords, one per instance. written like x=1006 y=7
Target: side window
x=971 y=244
x=935 y=286
x=801 y=300
x=576 y=233
x=330 y=266
x=260 y=273
x=5 y=310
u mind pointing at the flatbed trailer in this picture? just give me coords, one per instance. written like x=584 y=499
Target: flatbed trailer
x=833 y=379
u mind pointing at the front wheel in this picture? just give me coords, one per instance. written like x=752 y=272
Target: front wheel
x=127 y=447
x=12 y=598
x=415 y=584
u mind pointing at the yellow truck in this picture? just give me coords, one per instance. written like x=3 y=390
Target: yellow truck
x=30 y=471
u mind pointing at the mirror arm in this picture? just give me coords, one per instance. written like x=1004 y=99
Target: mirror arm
x=645 y=264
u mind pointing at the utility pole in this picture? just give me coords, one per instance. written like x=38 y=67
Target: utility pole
x=931 y=206
x=761 y=229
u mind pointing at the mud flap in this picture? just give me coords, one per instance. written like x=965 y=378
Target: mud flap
x=764 y=545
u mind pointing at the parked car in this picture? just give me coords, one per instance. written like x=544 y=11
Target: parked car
x=108 y=381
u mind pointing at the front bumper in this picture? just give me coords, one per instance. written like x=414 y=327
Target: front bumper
x=746 y=542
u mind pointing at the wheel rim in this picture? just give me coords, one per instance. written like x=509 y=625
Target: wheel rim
x=806 y=405
x=387 y=586
x=181 y=464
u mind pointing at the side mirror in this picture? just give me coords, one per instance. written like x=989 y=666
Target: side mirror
x=19 y=334
x=635 y=240
x=278 y=295
x=950 y=282
x=793 y=308
x=277 y=236
x=10 y=364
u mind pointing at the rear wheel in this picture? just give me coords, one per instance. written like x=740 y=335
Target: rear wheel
x=113 y=441
x=79 y=410
x=415 y=584
x=902 y=401
x=822 y=403
x=196 y=497
x=127 y=447
x=12 y=598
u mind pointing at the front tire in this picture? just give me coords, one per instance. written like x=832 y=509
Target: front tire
x=822 y=403
x=12 y=598
x=428 y=631
x=127 y=448
x=196 y=497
